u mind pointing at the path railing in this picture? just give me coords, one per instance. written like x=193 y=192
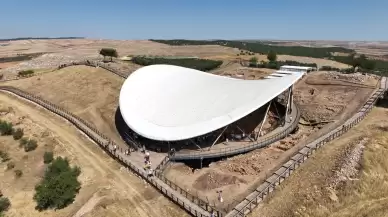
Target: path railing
x=94 y=64
x=294 y=162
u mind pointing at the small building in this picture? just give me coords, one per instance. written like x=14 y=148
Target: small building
x=297 y=68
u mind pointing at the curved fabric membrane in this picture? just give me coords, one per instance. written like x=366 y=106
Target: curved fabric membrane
x=170 y=103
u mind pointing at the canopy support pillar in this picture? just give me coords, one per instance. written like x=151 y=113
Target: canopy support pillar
x=277 y=111
x=218 y=137
x=265 y=118
x=196 y=144
x=245 y=133
x=288 y=104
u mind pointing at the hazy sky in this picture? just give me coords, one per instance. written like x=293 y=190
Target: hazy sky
x=196 y=19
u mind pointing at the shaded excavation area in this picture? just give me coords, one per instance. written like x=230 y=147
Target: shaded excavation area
x=326 y=100
x=242 y=131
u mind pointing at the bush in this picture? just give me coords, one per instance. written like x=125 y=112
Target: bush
x=18 y=173
x=6 y=128
x=271 y=56
x=30 y=145
x=10 y=165
x=48 y=157
x=17 y=134
x=4 y=204
x=25 y=73
x=4 y=156
x=199 y=64
x=329 y=68
x=253 y=61
x=23 y=142
x=59 y=185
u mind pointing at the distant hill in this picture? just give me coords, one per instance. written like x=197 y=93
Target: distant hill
x=40 y=38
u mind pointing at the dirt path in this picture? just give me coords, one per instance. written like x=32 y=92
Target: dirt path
x=89 y=154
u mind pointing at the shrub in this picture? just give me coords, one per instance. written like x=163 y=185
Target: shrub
x=4 y=204
x=4 y=156
x=253 y=61
x=271 y=56
x=59 y=185
x=18 y=173
x=23 y=142
x=25 y=73
x=30 y=145
x=329 y=68
x=17 y=134
x=6 y=128
x=10 y=165
x=48 y=157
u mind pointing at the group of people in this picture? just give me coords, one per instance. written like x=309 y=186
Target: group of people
x=147 y=162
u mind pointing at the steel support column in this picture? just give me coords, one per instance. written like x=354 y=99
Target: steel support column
x=265 y=118
x=215 y=141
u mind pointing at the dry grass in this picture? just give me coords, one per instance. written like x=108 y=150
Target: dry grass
x=90 y=47
x=305 y=193
x=91 y=93
x=107 y=189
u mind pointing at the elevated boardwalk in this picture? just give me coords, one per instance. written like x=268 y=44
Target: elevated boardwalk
x=277 y=134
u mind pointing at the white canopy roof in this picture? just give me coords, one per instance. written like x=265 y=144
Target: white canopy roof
x=169 y=103
x=296 y=67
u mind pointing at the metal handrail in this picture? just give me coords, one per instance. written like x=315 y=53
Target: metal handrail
x=231 y=151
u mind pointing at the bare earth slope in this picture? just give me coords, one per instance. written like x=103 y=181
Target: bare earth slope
x=310 y=192
x=107 y=189
x=91 y=93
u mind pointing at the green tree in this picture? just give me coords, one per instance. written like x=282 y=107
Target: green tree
x=110 y=52
x=253 y=61
x=48 y=157
x=4 y=204
x=271 y=56
x=59 y=185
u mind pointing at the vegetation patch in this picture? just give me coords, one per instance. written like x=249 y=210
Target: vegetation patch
x=6 y=128
x=379 y=67
x=17 y=134
x=28 y=144
x=258 y=47
x=59 y=185
x=4 y=204
x=278 y=64
x=10 y=165
x=18 y=173
x=108 y=52
x=48 y=157
x=4 y=156
x=25 y=73
x=199 y=64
